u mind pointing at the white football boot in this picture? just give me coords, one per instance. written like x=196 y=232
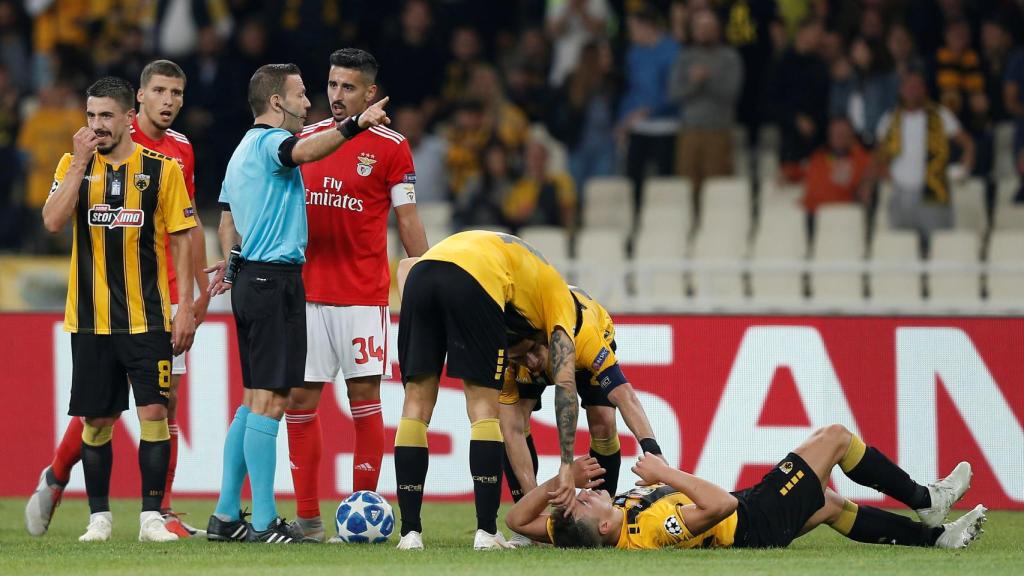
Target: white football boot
x=520 y=541
x=964 y=530
x=101 y=524
x=152 y=529
x=944 y=494
x=411 y=541
x=41 y=505
x=486 y=541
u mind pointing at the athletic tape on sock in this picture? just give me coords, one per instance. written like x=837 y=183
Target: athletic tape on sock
x=97 y=437
x=854 y=454
x=412 y=432
x=155 y=430
x=486 y=429
x=605 y=446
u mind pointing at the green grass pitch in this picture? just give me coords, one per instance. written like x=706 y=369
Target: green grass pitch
x=448 y=538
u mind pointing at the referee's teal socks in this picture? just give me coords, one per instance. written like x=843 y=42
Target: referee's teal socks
x=261 y=459
x=230 y=502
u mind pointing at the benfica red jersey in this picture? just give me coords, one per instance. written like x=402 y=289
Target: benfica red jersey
x=348 y=197
x=177 y=146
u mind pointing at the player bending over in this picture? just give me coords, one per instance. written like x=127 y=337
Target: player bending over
x=673 y=508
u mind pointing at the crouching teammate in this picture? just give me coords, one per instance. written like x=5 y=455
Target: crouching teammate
x=673 y=508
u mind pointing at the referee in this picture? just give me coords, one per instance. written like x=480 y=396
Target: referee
x=264 y=203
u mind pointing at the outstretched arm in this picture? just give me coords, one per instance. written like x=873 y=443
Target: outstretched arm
x=529 y=516
x=625 y=399
x=320 y=145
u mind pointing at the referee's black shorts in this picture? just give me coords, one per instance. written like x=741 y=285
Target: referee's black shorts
x=446 y=311
x=269 y=304
x=103 y=365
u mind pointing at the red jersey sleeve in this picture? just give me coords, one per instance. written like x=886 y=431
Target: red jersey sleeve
x=401 y=176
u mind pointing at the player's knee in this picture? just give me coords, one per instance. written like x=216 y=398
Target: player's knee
x=835 y=433
x=601 y=421
x=98 y=431
x=303 y=399
x=152 y=412
x=363 y=389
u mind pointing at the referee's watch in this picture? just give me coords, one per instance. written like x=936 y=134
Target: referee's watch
x=349 y=127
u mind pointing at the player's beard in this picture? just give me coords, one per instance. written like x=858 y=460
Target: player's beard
x=110 y=148
x=337 y=114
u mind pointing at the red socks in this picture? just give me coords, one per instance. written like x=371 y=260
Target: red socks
x=305 y=443
x=369 y=425
x=69 y=451
x=172 y=465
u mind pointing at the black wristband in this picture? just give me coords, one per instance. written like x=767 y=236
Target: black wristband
x=650 y=445
x=349 y=127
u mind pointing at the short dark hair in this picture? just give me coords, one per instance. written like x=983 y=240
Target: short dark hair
x=118 y=89
x=268 y=80
x=356 y=59
x=569 y=532
x=160 y=68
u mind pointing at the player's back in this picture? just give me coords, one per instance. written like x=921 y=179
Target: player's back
x=514 y=274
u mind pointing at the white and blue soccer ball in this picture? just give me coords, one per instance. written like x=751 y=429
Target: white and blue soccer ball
x=364 y=517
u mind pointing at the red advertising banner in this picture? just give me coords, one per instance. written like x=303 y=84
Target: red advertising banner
x=727 y=396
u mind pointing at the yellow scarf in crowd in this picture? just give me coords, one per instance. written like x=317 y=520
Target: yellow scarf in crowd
x=937 y=152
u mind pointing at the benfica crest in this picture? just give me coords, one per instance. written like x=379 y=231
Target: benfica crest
x=365 y=165
x=142 y=182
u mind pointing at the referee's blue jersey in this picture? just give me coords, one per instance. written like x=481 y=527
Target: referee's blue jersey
x=267 y=198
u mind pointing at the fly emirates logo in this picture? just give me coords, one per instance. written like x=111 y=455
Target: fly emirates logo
x=332 y=196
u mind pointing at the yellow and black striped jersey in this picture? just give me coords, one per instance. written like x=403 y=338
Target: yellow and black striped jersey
x=530 y=291
x=655 y=517
x=118 y=280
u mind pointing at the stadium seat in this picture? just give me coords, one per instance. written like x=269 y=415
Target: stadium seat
x=719 y=245
x=774 y=192
x=1006 y=189
x=1004 y=162
x=1009 y=217
x=969 y=205
x=654 y=247
x=1006 y=249
x=600 y=254
x=781 y=239
x=727 y=192
x=953 y=287
x=895 y=286
x=667 y=191
x=880 y=219
x=839 y=239
x=551 y=241
x=608 y=204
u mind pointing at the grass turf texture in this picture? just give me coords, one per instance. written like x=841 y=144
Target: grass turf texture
x=449 y=536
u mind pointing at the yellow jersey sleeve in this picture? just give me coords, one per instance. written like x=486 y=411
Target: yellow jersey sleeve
x=593 y=354
x=60 y=172
x=174 y=202
x=510 y=388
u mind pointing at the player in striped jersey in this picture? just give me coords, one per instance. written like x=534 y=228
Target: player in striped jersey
x=124 y=202
x=160 y=98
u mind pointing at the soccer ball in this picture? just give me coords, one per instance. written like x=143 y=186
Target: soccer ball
x=364 y=516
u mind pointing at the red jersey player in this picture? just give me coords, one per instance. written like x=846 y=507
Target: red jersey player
x=160 y=96
x=349 y=195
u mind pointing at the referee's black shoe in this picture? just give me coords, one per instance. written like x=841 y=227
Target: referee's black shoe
x=277 y=532
x=218 y=530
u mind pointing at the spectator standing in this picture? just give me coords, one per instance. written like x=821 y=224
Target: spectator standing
x=706 y=83
x=571 y=24
x=914 y=151
x=960 y=83
x=802 y=88
x=480 y=203
x=749 y=26
x=506 y=121
x=411 y=69
x=465 y=56
x=10 y=211
x=14 y=55
x=584 y=114
x=877 y=90
x=647 y=120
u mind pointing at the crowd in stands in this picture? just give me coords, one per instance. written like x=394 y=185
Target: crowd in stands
x=512 y=106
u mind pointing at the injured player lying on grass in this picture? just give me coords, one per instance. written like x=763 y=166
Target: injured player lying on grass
x=671 y=508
